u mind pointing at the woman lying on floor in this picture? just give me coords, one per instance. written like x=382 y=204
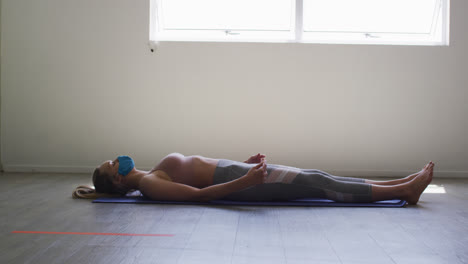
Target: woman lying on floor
x=196 y=178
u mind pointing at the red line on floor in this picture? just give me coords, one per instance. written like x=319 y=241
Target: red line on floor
x=88 y=233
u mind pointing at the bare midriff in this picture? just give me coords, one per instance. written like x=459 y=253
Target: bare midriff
x=196 y=171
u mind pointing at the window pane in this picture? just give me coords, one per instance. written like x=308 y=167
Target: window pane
x=227 y=14
x=378 y=16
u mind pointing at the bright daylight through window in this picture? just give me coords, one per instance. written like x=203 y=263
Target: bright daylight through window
x=400 y=22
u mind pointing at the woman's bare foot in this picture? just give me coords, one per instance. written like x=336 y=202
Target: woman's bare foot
x=412 y=176
x=432 y=172
x=417 y=186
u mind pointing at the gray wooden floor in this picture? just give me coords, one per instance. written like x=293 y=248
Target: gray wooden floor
x=436 y=231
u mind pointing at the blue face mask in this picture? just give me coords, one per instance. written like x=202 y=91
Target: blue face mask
x=126 y=165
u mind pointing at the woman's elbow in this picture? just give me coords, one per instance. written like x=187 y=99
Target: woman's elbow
x=201 y=196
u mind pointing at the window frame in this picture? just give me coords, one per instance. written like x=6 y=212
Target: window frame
x=298 y=35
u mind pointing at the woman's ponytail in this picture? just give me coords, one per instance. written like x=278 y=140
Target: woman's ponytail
x=88 y=192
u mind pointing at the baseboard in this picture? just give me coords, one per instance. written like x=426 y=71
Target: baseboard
x=52 y=169
x=395 y=174
x=47 y=169
x=350 y=173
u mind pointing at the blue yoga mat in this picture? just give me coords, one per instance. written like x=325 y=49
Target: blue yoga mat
x=299 y=202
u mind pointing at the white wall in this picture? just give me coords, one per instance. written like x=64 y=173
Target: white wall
x=79 y=86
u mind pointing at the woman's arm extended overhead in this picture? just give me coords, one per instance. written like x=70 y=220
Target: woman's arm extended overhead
x=160 y=189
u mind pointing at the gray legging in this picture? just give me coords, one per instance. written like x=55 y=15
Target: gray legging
x=289 y=183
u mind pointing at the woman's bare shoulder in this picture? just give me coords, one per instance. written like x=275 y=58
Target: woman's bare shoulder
x=162 y=175
x=151 y=180
x=159 y=186
x=155 y=176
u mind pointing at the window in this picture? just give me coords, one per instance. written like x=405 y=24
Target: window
x=403 y=22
